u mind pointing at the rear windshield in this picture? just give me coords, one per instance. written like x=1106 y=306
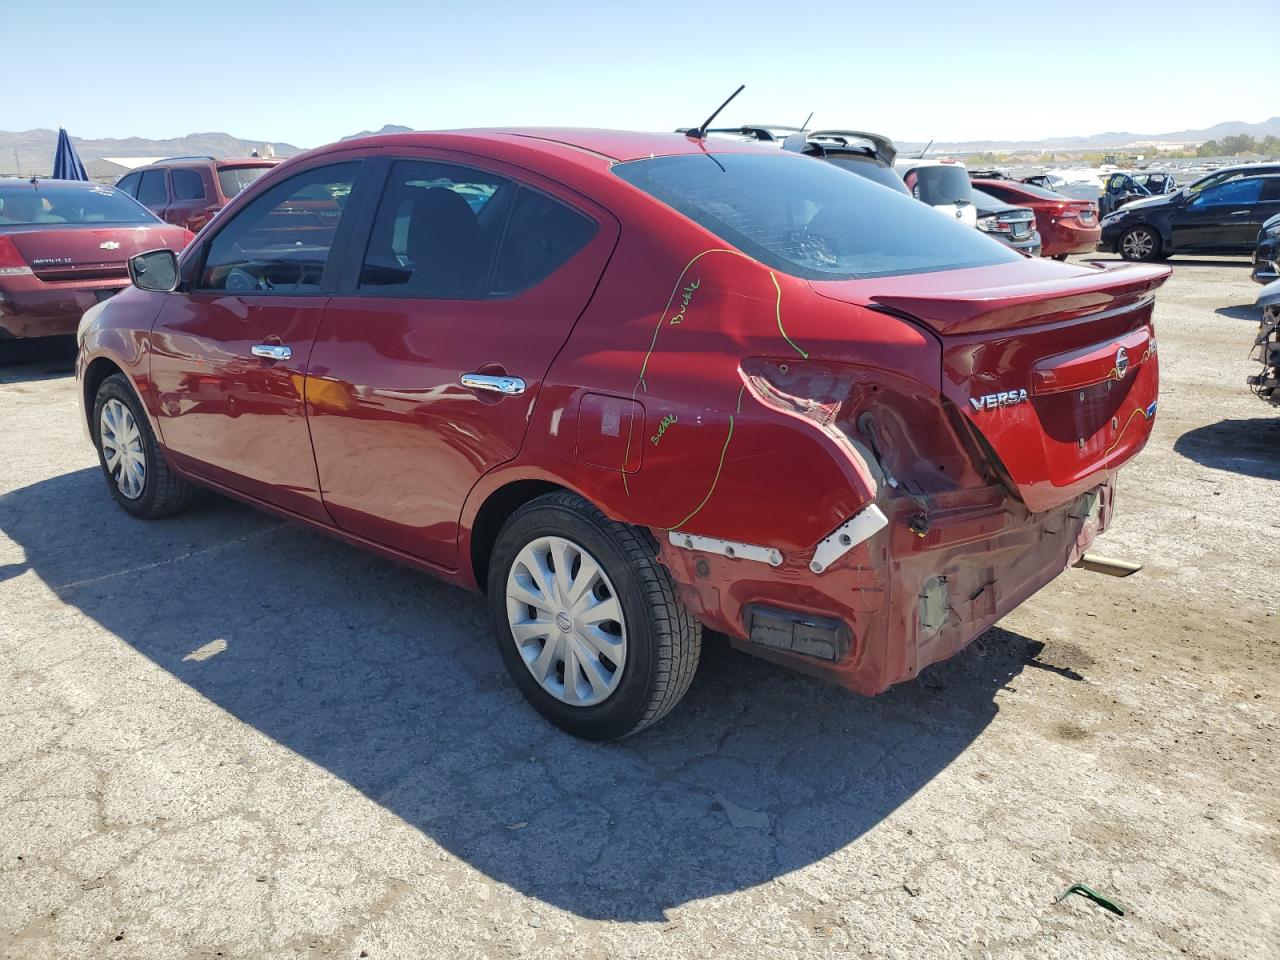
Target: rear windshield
x=1030 y=189
x=941 y=184
x=868 y=167
x=23 y=205
x=235 y=179
x=810 y=219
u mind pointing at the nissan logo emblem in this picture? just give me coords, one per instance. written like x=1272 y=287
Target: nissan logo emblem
x=1122 y=362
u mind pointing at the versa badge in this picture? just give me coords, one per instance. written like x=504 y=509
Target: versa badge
x=1005 y=398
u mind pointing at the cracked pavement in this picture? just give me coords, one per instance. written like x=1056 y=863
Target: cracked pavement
x=223 y=736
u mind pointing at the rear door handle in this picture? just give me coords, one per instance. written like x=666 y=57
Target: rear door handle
x=1239 y=213
x=271 y=351
x=508 y=386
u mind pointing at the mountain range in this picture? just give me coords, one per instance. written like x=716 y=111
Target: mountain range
x=30 y=152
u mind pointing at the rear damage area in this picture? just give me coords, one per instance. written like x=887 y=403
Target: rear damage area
x=980 y=487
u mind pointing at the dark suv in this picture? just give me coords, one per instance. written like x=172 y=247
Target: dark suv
x=188 y=191
x=1220 y=214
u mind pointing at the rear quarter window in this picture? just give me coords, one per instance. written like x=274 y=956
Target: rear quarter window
x=187 y=185
x=810 y=219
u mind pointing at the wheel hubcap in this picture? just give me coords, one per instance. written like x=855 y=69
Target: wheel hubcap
x=567 y=621
x=1139 y=243
x=122 y=449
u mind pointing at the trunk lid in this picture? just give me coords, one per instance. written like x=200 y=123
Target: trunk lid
x=68 y=252
x=1054 y=366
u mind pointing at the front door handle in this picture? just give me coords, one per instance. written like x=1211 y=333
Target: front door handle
x=271 y=351
x=507 y=386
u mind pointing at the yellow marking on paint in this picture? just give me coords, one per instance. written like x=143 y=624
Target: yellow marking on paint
x=778 y=311
x=715 y=480
x=1120 y=436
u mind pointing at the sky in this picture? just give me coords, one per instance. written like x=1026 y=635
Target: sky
x=310 y=72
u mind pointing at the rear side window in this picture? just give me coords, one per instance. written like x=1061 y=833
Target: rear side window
x=542 y=235
x=435 y=231
x=1270 y=189
x=187 y=185
x=151 y=190
x=234 y=179
x=129 y=184
x=280 y=242
x=809 y=219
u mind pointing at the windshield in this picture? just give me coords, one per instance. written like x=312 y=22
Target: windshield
x=938 y=185
x=24 y=205
x=811 y=220
x=868 y=167
x=235 y=179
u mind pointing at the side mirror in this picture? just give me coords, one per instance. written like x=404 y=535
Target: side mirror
x=155 y=270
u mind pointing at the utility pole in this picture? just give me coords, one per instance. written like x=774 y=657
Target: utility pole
x=17 y=164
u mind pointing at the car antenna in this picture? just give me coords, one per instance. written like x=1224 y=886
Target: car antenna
x=805 y=126
x=925 y=150
x=700 y=133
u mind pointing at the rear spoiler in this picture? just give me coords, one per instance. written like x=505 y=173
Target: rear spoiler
x=999 y=308
x=817 y=141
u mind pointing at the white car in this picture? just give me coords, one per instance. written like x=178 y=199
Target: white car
x=942 y=183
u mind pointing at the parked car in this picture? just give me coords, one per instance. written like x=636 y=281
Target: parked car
x=941 y=183
x=869 y=155
x=1012 y=225
x=578 y=397
x=64 y=245
x=1224 y=218
x=1123 y=187
x=1266 y=256
x=1266 y=346
x=188 y=191
x=1223 y=174
x=1066 y=226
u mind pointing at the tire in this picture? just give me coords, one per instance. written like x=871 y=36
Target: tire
x=657 y=641
x=1140 y=243
x=1060 y=257
x=160 y=491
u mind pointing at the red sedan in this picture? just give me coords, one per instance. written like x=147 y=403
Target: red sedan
x=64 y=246
x=1066 y=226
x=631 y=386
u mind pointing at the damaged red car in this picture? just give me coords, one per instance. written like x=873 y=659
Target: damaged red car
x=632 y=387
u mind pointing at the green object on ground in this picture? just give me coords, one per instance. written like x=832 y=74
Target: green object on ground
x=1093 y=895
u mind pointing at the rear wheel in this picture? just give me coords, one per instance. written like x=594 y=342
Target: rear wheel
x=135 y=468
x=587 y=621
x=1140 y=243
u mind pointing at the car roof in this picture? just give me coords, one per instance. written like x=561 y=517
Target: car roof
x=616 y=146
x=45 y=183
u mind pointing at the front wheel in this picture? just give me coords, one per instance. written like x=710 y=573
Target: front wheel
x=1140 y=243
x=135 y=468
x=587 y=621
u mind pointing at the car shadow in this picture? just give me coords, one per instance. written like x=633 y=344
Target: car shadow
x=1250 y=447
x=391 y=681
x=46 y=358
x=1243 y=311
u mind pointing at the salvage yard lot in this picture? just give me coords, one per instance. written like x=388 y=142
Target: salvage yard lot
x=224 y=736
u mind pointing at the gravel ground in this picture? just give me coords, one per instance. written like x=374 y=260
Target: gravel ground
x=221 y=736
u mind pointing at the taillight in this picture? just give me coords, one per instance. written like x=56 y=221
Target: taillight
x=12 y=263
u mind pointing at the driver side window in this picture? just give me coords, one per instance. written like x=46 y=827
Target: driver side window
x=280 y=242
